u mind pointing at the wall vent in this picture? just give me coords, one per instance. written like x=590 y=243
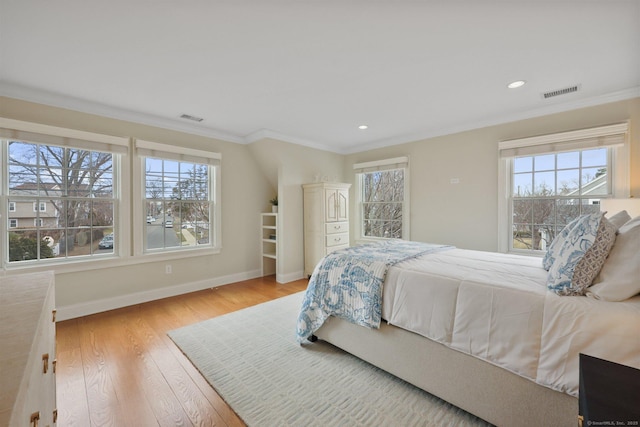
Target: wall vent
x=190 y=117
x=559 y=92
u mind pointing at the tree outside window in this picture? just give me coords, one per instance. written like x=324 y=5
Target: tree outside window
x=178 y=204
x=382 y=203
x=67 y=195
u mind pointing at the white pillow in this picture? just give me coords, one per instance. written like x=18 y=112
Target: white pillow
x=619 y=219
x=582 y=255
x=619 y=278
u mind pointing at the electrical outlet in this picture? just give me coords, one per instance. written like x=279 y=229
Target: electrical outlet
x=167 y=269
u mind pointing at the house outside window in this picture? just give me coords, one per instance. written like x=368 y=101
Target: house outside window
x=382 y=199
x=13 y=223
x=39 y=206
x=180 y=198
x=553 y=179
x=12 y=206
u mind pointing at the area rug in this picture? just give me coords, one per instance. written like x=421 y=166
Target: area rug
x=252 y=359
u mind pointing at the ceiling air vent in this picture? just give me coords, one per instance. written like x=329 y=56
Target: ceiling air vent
x=559 y=92
x=190 y=117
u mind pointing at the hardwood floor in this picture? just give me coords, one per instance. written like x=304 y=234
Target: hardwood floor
x=119 y=368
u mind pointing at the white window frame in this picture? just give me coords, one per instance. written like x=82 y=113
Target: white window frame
x=39 y=206
x=12 y=206
x=37 y=222
x=381 y=165
x=613 y=136
x=65 y=137
x=144 y=149
x=13 y=221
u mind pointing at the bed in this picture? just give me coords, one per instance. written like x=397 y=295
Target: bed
x=482 y=330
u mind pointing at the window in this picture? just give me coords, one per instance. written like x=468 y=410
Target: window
x=180 y=188
x=382 y=199
x=61 y=192
x=76 y=184
x=551 y=180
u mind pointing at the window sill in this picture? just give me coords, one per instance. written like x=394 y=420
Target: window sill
x=108 y=262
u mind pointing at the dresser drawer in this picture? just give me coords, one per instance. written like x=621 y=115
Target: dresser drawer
x=337 y=239
x=336 y=227
x=330 y=249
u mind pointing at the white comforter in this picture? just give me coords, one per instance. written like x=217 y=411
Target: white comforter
x=496 y=307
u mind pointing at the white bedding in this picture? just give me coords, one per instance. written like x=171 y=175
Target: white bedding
x=496 y=307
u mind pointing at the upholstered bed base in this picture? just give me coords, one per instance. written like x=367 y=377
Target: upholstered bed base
x=487 y=391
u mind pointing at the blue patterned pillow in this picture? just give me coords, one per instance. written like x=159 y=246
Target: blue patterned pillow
x=556 y=244
x=582 y=255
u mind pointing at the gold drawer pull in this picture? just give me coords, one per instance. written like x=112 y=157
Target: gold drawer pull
x=35 y=417
x=54 y=363
x=53 y=318
x=337 y=240
x=55 y=416
x=45 y=363
x=337 y=227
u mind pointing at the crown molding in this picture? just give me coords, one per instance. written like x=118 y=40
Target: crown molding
x=52 y=99
x=58 y=100
x=622 y=95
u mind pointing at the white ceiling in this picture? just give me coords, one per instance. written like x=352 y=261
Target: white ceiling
x=311 y=71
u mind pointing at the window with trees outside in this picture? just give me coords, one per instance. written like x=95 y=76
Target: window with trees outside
x=60 y=201
x=178 y=204
x=553 y=179
x=179 y=193
x=550 y=190
x=382 y=199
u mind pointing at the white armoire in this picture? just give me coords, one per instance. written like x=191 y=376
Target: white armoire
x=326 y=221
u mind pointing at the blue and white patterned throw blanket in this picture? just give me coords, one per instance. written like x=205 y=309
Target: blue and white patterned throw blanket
x=348 y=284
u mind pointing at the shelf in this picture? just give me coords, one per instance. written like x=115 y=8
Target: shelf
x=269 y=249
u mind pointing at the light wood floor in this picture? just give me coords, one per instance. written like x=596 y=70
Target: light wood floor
x=120 y=368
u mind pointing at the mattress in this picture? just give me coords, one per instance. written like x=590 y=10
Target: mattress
x=496 y=307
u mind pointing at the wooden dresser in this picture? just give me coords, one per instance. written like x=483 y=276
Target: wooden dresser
x=27 y=350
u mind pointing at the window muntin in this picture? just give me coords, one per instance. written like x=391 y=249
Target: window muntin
x=178 y=204
x=549 y=190
x=382 y=203
x=66 y=197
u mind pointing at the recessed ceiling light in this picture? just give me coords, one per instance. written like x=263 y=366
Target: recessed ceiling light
x=516 y=84
x=363 y=127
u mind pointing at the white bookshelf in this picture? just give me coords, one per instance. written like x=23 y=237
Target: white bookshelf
x=269 y=243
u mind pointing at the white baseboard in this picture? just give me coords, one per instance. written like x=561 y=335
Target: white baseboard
x=92 y=307
x=289 y=277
